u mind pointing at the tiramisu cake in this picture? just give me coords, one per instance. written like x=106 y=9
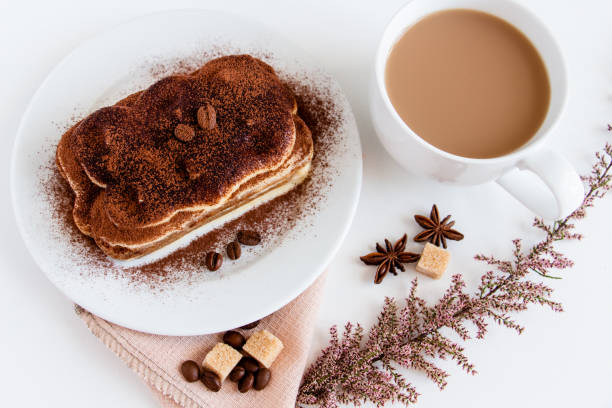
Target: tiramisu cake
x=182 y=153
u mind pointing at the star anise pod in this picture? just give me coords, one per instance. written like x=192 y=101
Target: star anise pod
x=389 y=258
x=436 y=231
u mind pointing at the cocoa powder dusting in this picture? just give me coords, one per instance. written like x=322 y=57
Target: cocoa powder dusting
x=128 y=149
x=273 y=220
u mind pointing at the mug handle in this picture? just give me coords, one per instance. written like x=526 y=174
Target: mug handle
x=558 y=175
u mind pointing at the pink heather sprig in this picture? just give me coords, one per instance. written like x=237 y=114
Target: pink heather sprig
x=353 y=370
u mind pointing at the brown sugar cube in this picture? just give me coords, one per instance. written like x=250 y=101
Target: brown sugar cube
x=221 y=360
x=264 y=347
x=433 y=261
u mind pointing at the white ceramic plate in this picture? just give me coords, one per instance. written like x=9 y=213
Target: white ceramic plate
x=118 y=62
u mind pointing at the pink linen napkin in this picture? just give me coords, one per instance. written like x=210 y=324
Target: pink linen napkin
x=157 y=359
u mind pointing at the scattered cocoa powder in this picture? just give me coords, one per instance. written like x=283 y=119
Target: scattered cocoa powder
x=317 y=106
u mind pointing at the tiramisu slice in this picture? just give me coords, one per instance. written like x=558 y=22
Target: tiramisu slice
x=185 y=151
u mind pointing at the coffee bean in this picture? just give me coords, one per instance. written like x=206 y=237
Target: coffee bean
x=190 y=370
x=211 y=380
x=234 y=339
x=249 y=364
x=247 y=237
x=262 y=378
x=184 y=133
x=237 y=373
x=214 y=260
x=207 y=117
x=246 y=383
x=251 y=325
x=233 y=250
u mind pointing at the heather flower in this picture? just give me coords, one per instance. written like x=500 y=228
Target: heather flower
x=355 y=368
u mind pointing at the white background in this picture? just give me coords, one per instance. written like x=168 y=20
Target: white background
x=49 y=358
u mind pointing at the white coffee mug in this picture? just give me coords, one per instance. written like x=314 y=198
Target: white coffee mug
x=565 y=190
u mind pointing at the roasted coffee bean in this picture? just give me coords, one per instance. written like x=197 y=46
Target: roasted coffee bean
x=207 y=117
x=234 y=339
x=248 y=237
x=237 y=373
x=249 y=364
x=184 y=133
x=251 y=325
x=214 y=260
x=262 y=378
x=190 y=370
x=233 y=250
x=211 y=380
x=246 y=383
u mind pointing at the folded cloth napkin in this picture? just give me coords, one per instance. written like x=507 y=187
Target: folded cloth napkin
x=157 y=359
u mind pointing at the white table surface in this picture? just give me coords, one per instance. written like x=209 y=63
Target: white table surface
x=49 y=358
